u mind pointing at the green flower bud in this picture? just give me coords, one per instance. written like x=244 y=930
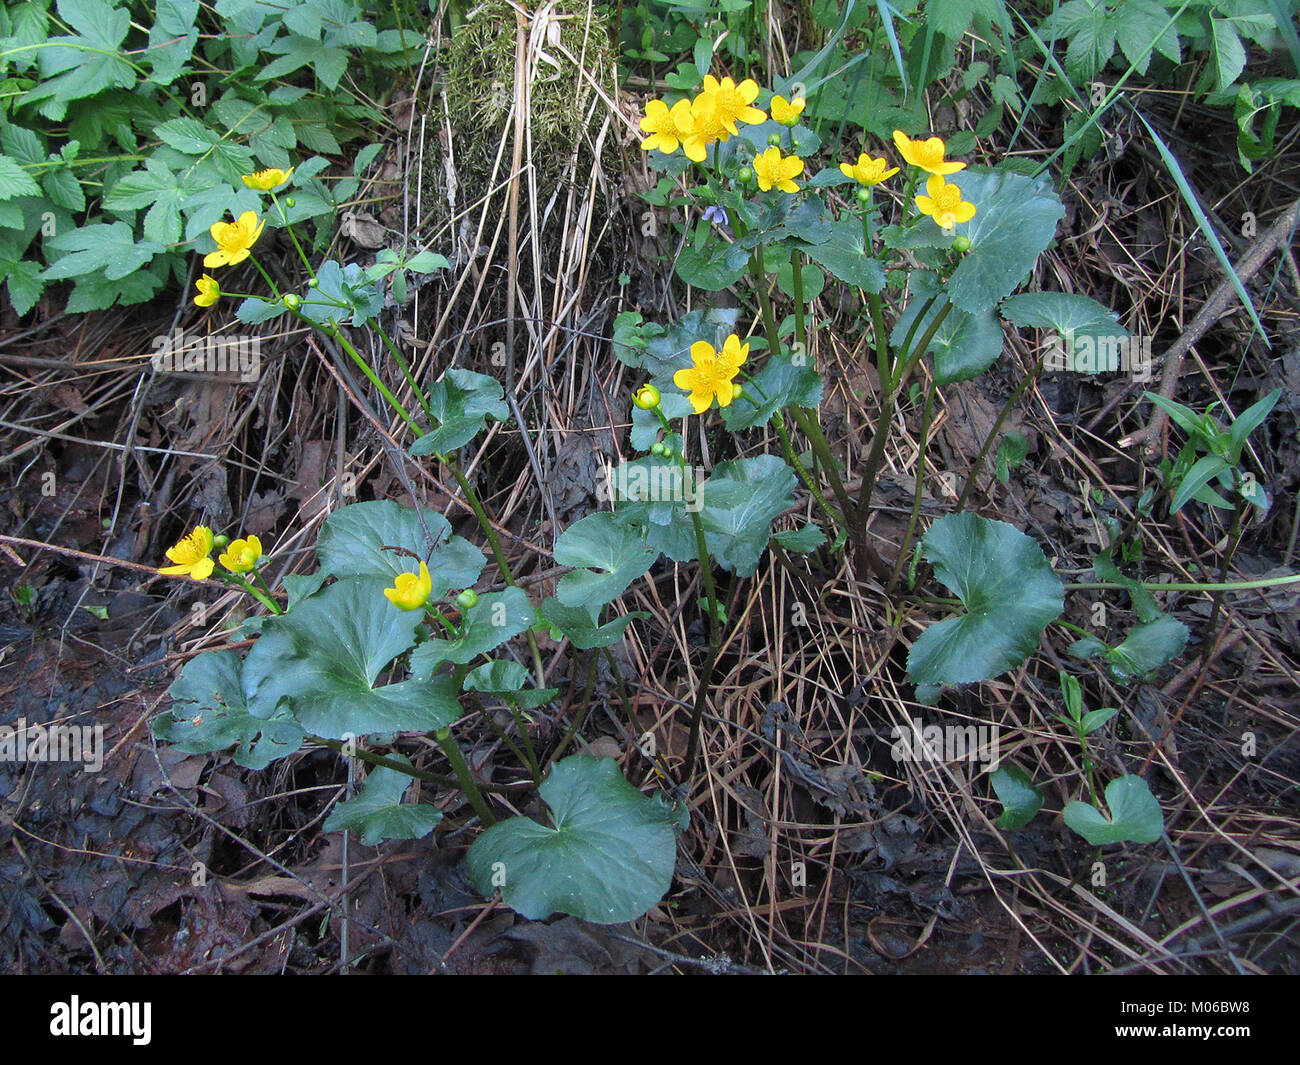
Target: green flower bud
x=291 y=301
x=745 y=176
x=289 y=201
x=220 y=541
x=864 y=196
x=961 y=245
x=312 y=283
x=774 y=141
x=646 y=397
x=659 y=448
x=468 y=599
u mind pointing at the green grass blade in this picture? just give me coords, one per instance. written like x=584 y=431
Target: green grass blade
x=1203 y=223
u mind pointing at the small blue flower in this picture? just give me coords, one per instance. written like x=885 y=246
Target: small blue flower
x=716 y=215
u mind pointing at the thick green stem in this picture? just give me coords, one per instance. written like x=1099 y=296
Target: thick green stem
x=715 y=644
x=333 y=331
x=920 y=484
x=245 y=586
x=787 y=449
x=891 y=386
x=463 y=776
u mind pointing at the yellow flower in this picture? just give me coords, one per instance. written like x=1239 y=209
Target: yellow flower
x=927 y=154
x=787 y=112
x=242 y=555
x=868 y=171
x=667 y=126
x=774 y=170
x=234 y=239
x=944 y=203
x=715 y=112
x=265 y=180
x=191 y=555
x=712 y=373
x=410 y=592
x=209 y=291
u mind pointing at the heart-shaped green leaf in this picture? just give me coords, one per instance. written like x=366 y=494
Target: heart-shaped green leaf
x=210 y=713
x=720 y=265
x=378 y=812
x=608 y=859
x=509 y=680
x=608 y=557
x=779 y=384
x=1135 y=815
x=580 y=624
x=964 y=345
x=1089 y=334
x=802 y=540
x=1148 y=646
x=325 y=657
x=1010 y=593
x=460 y=401
x=1019 y=797
x=844 y=254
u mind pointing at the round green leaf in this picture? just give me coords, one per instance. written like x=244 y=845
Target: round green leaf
x=741 y=500
x=497 y=617
x=1010 y=593
x=608 y=557
x=608 y=859
x=355 y=541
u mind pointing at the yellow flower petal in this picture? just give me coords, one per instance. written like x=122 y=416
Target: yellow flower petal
x=209 y=291
x=409 y=591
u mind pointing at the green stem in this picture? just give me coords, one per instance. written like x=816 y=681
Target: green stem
x=787 y=449
x=380 y=761
x=264 y=598
x=920 y=482
x=332 y=330
x=891 y=385
x=715 y=644
x=463 y=776
x=497 y=553
x=293 y=236
x=800 y=326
